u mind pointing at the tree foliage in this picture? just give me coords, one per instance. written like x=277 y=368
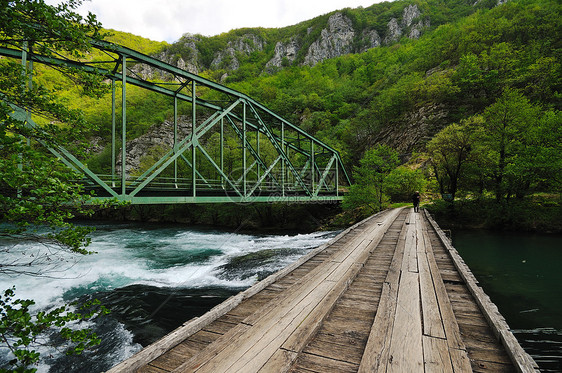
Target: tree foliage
x=449 y=151
x=370 y=178
x=38 y=194
x=513 y=149
x=22 y=330
x=36 y=189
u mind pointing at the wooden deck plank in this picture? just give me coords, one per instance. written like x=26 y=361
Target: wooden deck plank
x=336 y=351
x=460 y=361
x=432 y=323
x=319 y=364
x=280 y=362
x=436 y=355
x=263 y=349
x=151 y=369
x=451 y=327
x=298 y=338
x=177 y=355
x=386 y=296
x=377 y=349
x=406 y=353
x=410 y=252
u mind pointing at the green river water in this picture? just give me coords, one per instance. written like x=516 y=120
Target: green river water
x=522 y=274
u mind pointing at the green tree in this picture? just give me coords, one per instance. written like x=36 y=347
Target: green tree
x=506 y=134
x=38 y=195
x=370 y=176
x=449 y=152
x=23 y=330
x=402 y=182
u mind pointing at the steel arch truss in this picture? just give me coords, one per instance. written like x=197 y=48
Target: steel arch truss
x=278 y=161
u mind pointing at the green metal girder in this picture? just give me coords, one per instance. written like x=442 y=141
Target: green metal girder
x=226 y=199
x=126 y=56
x=249 y=146
x=59 y=152
x=280 y=150
x=141 y=58
x=221 y=172
x=323 y=177
x=185 y=145
x=264 y=175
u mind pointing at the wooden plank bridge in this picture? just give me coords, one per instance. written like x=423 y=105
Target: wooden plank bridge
x=389 y=294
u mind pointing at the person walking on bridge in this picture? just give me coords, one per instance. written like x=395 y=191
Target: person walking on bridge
x=416 y=201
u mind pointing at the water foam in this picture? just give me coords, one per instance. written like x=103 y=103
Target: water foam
x=155 y=256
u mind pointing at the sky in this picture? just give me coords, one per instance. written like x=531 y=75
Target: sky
x=168 y=20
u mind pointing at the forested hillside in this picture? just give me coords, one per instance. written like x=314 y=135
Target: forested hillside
x=482 y=79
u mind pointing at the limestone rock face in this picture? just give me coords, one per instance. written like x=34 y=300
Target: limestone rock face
x=245 y=44
x=190 y=63
x=158 y=140
x=283 y=52
x=417 y=29
x=394 y=32
x=407 y=26
x=371 y=39
x=335 y=40
x=410 y=13
x=416 y=127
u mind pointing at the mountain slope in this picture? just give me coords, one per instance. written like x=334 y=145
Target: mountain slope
x=400 y=93
x=308 y=43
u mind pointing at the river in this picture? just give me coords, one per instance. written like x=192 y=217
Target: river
x=155 y=277
x=522 y=274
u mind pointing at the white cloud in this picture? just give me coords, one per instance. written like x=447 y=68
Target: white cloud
x=169 y=19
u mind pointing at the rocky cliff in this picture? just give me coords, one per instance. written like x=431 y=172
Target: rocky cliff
x=244 y=45
x=336 y=37
x=341 y=37
x=153 y=144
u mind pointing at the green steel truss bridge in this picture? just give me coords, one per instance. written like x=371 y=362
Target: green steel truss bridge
x=279 y=161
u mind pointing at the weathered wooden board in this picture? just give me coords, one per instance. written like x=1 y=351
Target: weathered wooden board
x=432 y=322
x=319 y=364
x=406 y=353
x=436 y=355
x=376 y=353
x=379 y=298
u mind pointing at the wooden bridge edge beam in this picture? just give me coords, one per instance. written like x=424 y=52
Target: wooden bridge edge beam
x=522 y=361
x=158 y=348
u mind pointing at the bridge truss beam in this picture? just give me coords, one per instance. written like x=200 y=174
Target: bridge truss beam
x=286 y=163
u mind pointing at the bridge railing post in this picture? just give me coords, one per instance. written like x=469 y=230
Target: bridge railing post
x=312 y=165
x=124 y=127
x=336 y=182
x=283 y=160
x=113 y=130
x=175 y=140
x=193 y=138
x=222 y=152
x=244 y=165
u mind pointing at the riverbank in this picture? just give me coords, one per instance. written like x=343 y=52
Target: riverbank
x=262 y=217
x=540 y=214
